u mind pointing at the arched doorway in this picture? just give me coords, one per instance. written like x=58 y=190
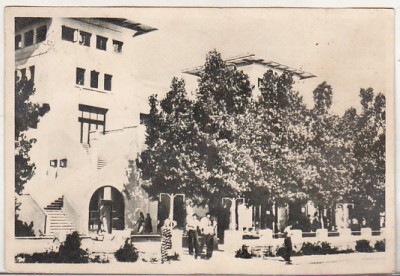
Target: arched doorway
x=107 y=205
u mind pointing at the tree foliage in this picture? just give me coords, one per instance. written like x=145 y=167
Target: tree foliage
x=27 y=115
x=226 y=142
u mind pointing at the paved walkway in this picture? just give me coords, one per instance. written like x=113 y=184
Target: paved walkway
x=223 y=263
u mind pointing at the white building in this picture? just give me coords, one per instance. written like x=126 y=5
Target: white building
x=93 y=128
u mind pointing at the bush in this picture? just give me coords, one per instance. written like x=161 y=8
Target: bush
x=127 y=253
x=244 y=253
x=380 y=246
x=69 y=252
x=363 y=246
x=45 y=257
x=22 y=229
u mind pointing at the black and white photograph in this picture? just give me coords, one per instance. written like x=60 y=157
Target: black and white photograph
x=199 y=140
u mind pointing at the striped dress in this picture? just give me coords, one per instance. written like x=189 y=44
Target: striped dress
x=166 y=243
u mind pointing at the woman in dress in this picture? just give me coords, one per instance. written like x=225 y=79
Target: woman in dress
x=166 y=240
x=140 y=223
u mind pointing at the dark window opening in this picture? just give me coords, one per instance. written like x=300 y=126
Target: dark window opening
x=68 y=34
x=28 y=37
x=101 y=43
x=63 y=163
x=94 y=79
x=32 y=71
x=41 y=33
x=80 y=76
x=259 y=82
x=53 y=163
x=107 y=82
x=23 y=73
x=117 y=46
x=91 y=118
x=18 y=42
x=84 y=38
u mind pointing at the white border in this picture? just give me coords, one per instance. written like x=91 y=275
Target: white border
x=210 y=3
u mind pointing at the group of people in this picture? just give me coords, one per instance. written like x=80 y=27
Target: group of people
x=144 y=224
x=200 y=232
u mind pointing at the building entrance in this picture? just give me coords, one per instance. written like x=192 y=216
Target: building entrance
x=106 y=210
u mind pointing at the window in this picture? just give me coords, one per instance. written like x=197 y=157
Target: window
x=32 y=71
x=23 y=73
x=18 y=42
x=28 y=37
x=90 y=119
x=101 y=43
x=94 y=79
x=80 y=76
x=69 y=34
x=41 y=33
x=107 y=82
x=63 y=163
x=84 y=38
x=117 y=46
x=259 y=81
x=53 y=163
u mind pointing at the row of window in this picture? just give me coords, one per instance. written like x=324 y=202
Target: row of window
x=84 y=39
x=62 y=164
x=94 y=79
x=30 y=37
x=28 y=73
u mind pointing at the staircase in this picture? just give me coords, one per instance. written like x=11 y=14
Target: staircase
x=57 y=220
x=101 y=163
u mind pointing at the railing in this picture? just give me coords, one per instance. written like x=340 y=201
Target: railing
x=279 y=235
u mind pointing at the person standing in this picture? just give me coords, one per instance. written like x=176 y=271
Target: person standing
x=203 y=224
x=192 y=226
x=209 y=233
x=148 y=227
x=140 y=223
x=288 y=247
x=315 y=223
x=166 y=241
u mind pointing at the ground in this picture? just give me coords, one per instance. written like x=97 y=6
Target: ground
x=222 y=262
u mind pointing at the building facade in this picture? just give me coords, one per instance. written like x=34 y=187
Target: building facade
x=84 y=143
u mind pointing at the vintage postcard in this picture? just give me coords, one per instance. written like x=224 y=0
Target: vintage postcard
x=199 y=140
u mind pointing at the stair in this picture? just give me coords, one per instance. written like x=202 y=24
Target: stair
x=101 y=163
x=57 y=220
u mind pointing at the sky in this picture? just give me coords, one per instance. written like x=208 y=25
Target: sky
x=348 y=48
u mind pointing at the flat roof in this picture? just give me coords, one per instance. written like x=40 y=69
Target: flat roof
x=139 y=28
x=250 y=59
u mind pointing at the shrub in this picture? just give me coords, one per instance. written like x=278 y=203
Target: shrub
x=363 y=246
x=380 y=246
x=44 y=257
x=22 y=229
x=310 y=249
x=71 y=252
x=244 y=253
x=127 y=253
x=99 y=259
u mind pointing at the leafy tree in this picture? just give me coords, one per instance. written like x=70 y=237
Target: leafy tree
x=368 y=187
x=27 y=115
x=190 y=143
x=326 y=151
x=276 y=138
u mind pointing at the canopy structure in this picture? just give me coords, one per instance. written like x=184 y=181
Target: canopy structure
x=250 y=59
